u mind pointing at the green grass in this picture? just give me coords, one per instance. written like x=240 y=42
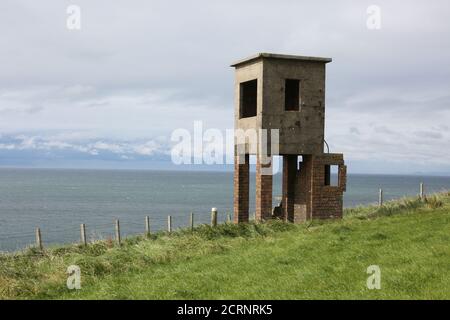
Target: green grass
x=408 y=239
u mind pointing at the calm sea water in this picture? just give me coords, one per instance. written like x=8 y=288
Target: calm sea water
x=58 y=201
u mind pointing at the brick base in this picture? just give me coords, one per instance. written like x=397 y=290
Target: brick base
x=241 y=189
x=326 y=200
x=305 y=193
x=288 y=186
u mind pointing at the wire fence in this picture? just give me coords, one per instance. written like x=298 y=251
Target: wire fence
x=78 y=234
x=121 y=229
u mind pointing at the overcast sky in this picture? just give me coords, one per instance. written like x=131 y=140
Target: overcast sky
x=111 y=93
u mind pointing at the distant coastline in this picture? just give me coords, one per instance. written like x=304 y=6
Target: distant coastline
x=228 y=168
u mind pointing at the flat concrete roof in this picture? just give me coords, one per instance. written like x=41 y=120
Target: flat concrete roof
x=263 y=55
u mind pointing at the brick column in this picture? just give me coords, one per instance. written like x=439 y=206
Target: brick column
x=241 y=188
x=263 y=192
x=288 y=187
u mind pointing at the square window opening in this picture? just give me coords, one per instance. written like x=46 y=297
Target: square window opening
x=292 y=97
x=248 y=98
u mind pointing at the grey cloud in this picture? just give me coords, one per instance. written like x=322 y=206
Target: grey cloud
x=385 y=130
x=140 y=70
x=354 y=130
x=429 y=134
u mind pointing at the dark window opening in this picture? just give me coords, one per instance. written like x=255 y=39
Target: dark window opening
x=248 y=98
x=292 y=95
x=331 y=175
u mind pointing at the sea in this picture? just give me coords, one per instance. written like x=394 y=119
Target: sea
x=59 y=200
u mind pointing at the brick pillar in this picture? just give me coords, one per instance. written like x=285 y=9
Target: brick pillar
x=263 y=192
x=241 y=188
x=303 y=190
x=288 y=187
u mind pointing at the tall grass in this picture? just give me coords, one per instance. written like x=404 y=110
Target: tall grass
x=434 y=202
x=403 y=205
x=42 y=274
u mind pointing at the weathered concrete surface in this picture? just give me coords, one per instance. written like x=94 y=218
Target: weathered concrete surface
x=301 y=132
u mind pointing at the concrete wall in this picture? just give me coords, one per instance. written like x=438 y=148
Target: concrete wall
x=301 y=132
x=247 y=72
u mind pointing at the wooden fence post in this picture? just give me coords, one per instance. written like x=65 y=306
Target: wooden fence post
x=39 y=239
x=191 y=221
x=213 y=217
x=422 y=191
x=147 y=226
x=380 y=198
x=169 y=224
x=83 y=234
x=118 y=232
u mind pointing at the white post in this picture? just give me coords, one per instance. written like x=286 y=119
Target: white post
x=422 y=191
x=169 y=224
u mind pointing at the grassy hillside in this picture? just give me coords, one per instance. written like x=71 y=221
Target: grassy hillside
x=408 y=239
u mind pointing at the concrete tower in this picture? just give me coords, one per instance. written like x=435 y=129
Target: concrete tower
x=285 y=92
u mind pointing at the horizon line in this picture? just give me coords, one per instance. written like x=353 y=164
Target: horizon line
x=433 y=174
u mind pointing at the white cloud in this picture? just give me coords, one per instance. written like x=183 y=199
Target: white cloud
x=124 y=149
